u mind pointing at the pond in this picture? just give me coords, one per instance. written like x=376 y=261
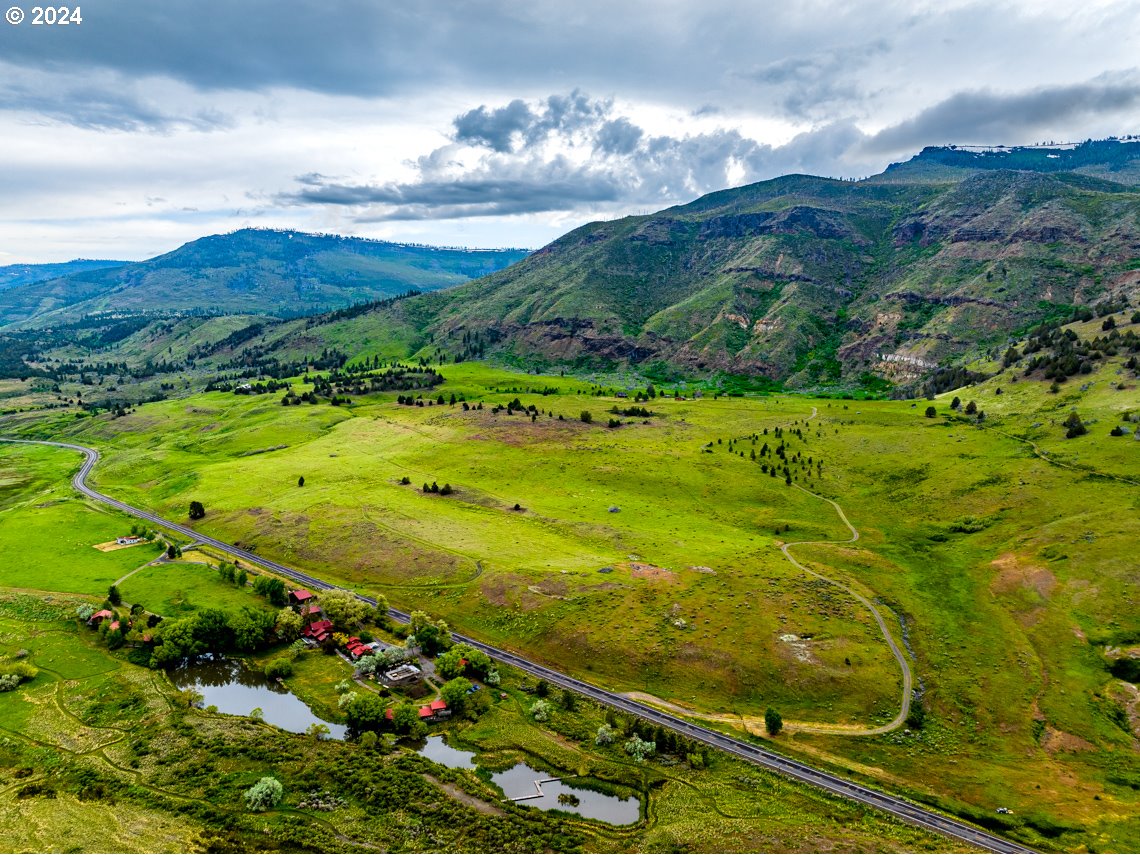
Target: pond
x=521 y=779
x=237 y=689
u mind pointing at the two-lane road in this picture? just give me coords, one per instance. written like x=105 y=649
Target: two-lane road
x=899 y=807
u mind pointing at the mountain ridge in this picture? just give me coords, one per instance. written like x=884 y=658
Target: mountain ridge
x=277 y=272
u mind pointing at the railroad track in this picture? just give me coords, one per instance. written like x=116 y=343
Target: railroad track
x=899 y=807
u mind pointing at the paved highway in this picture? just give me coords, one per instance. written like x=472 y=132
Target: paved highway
x=762 y=757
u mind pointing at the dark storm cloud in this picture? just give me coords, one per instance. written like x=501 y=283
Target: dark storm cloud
x=619 y=136
x=496 y=129
x=989 y=117
x=516 y=174
x=531 y=187
x=363 y=48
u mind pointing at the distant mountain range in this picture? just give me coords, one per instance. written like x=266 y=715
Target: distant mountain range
x=805 y=281
x=256 y=271
x=816 y=281
x=15 y=275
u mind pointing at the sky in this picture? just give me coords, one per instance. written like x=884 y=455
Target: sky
x=489 y=124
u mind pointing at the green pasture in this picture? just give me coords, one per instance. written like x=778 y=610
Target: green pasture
x=1009 y=571
x=178 y=588
x=48 y=533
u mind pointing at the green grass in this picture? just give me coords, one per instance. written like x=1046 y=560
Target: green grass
x=178 y=588
x=997 y=618
x=49 y=532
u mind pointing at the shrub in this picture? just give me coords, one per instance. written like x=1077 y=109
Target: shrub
x=264 y=795
x=278 y=669
x=639 y=748
x=605 y=736
x=931 y=412
x=540 y=710
x=1074 y=427
x=586 y=417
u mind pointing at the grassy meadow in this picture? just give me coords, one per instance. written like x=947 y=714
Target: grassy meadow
x=1001 y=551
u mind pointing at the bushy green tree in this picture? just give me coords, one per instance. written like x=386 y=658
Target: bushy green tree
x=288 y=624
x=345 y=610
x=639 y=749
x=773 y=721
x=197 y=510
x=279 y=668
x=1074 y=427
x=448 y=664
x=455 y=693
x=605 y=736
x=250 y=628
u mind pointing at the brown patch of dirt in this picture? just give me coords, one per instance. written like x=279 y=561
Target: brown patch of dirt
x=1055 y=741
x=641 y=570
x=508 y=590
x=1016 y=572
x=552 y=586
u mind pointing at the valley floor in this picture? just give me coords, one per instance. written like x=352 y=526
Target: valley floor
x=647 y=558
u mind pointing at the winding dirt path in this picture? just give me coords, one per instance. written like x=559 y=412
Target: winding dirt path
x=756 y=723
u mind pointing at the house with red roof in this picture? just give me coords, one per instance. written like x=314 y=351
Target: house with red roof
x=99 y=617
x=300 y=597
x=318 y=631
x=435 y=711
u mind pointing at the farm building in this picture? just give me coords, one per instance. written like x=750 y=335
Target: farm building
x=301 y=597
x=318 y=631
x=435 y=711
x=128 y=541
x=99 y=617
x=402 y=675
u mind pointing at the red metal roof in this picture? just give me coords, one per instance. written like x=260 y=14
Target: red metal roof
x=317 y=628
x=426 y=712
x=388 y=714
x=105 y=613
x=300 y=595
x=438 y=704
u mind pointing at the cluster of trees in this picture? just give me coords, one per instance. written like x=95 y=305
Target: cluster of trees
x=1058 y=354
x=463 y=660
x=272 y=588
x=344 y=609
x=445 y=490
x=640 y=740
x=432 y=637
x=209 y=631
x=359 y=380
x=1074 y=427
x=233 y=574
x=633 y=412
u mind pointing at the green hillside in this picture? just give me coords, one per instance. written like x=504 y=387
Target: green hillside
x=255 y=271
x=815 y=281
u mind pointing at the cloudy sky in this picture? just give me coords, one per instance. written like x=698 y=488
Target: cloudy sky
x=488 y=123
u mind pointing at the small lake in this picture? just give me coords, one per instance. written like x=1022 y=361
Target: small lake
x=520 y=780
x=236 y=688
